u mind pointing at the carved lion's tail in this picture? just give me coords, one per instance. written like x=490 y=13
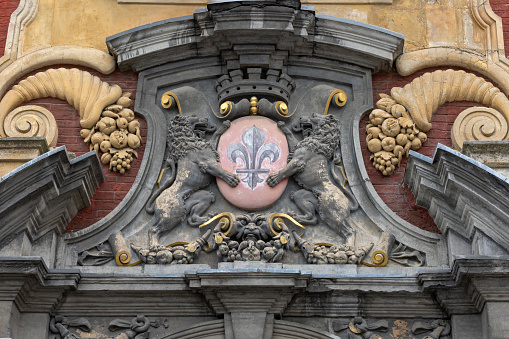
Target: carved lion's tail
x=354 y=204
x=150 y=207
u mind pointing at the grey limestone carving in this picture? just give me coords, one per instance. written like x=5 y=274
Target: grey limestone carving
x=253 y=282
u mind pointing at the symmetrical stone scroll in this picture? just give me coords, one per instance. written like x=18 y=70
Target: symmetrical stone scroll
x=108 y=123
x=31 y=121
x=402 y=119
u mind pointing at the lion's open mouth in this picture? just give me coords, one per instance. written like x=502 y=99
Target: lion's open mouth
x=201 y=127
x=306 y=128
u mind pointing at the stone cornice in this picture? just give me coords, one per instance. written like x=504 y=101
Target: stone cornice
x=461 y=194
x=286 y=25
x=46 y=193
x=31 y=285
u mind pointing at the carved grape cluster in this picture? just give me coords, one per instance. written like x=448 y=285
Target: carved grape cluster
x=116 y=135
x=390 y=134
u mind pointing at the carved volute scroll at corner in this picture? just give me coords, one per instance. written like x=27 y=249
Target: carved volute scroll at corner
x=31 y=121
x=402 y=119
x=478 y=123
x=108 y=123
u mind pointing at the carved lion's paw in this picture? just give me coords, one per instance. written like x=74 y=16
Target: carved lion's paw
x=273 y=179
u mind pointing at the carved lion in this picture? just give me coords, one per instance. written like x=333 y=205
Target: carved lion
x=308 y=164
x=193 y=162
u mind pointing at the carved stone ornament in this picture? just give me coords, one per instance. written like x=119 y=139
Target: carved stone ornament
x=252 y=165
x=401 y=120
x=108 y=123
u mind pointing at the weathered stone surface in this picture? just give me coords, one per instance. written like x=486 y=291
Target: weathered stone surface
x=463 y=196
x=45 y=193
x=303 y=34
x=14 y=152
x=494 y=154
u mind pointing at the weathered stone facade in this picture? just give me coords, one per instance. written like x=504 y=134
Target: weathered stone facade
x=243 y=166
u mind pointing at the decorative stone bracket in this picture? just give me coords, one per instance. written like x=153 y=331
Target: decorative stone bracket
x=251 y=314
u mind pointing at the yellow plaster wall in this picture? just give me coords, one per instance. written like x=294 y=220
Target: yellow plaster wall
x=87 y=23
x=425 y=23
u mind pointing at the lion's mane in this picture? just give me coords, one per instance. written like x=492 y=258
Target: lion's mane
x=181 y=139
x=323 y=139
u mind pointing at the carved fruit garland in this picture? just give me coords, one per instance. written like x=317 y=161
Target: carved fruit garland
x=108 y=123
x=116 y=134
x=391 y=133
x=400 y=121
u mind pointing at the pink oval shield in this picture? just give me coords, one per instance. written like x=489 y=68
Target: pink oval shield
x=253 y=147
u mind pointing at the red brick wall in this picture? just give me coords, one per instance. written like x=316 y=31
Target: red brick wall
x=6 y=9
x=501 y=8
x=393 y=192
x=115 y=186
x=391 y=189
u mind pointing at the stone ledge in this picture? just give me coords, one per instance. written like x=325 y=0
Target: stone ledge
x=45 y=193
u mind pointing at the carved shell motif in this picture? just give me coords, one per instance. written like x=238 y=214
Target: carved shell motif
x=401 y=120
x=108 y=123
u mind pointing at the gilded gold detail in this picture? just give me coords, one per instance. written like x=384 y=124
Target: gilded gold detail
x=326 y=244
x=279 y=221
x=254 y=105
x=380 y=259
x=160 y=177
x=282 y=108
x=167 y=101
x=225 y=218
x=339 y=98
x=354 y=329
x=226 y=108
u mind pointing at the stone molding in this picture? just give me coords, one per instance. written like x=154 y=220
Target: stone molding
x=463 y=196
x=489 y=153
x=304 y=33
x=459 y=290
x=20 y=18
x=44 y=194
x=469 y=283
x=225 y=292
x=14 y=152
x=35 y=288
x=492 y=63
